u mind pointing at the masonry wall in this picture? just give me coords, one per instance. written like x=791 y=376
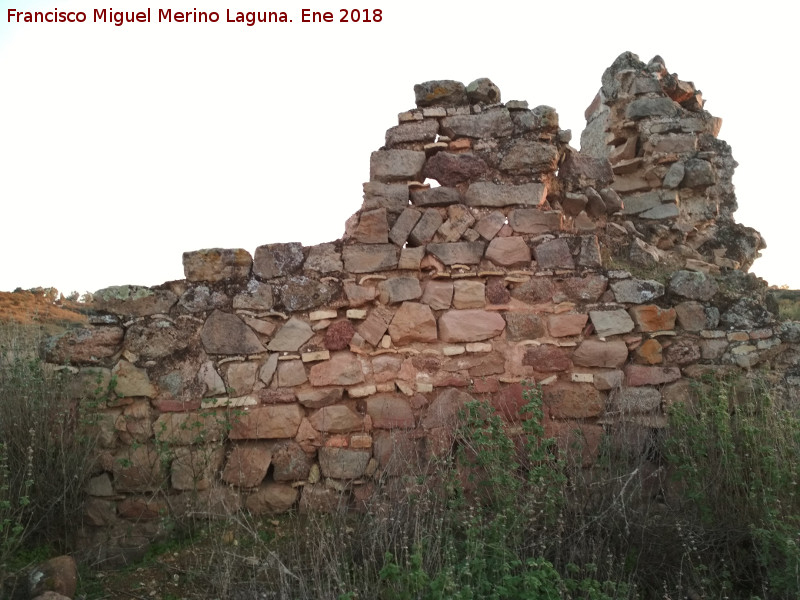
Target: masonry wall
x=487 y=252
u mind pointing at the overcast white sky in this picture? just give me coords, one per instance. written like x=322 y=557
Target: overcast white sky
x=122 y=147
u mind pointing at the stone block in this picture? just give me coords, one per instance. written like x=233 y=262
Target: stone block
x=133 y=300
x=85 y=346
x=415 y=131
x=278 y=260
x=509 y=252
x=637 y=291
x=437 y=196
x=343 y=368
x=547 y=358
x=451 y=169
x=611 y=322
x=486 y=193
x=443 y=92
x=486 y=124
x=566 y=400
x=336 y=419
x=426 y=227
x=373 y=228
x=224 y=333
x=271 y=498
x=324 y=258
x=530 y=157
x=413 y=322
x=635 y=399
x=469 y=294
x=554 y=254
x=267 y=422
x=391 y=196
x=396 y=165
x=375 y=325
x=399 y=289
x=470 y=325
x=566 y=325
x=693 y=285
x=389 y=411
x=131 y=381
x=217 y=264
x=247 y=464
x=524 y=326
x=639 y=375
x=461 y=253
x=403 y=226
x=291 y=336
x=438 y=294
x=256 y=296
x=649 y=317
x=490 y=225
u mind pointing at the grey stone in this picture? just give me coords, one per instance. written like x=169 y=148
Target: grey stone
x=396 y=165
x=133 y=300
x=485 y=193
x=483 y=91
x=158 y=338
x=276 y=260
x=590 y=252
x=217 y=264
x=533 y=220
x=522 y=326
x=415 y=131
x=403 y=226
x=611 y=322
x=224 y=333
x=527 y=156
x=391 y=196
x=201 y=298
x=343 y=463
x=674 y=175
x=399 y=289
x=663 y=211
x=257 y=296
x=323 y=258
x=579 y=170
x=489 y=123
x=612 y=200
x=643 y=254
x=642 y=108
x=438 y=196
x=693 y=285
x=746 y=314
x=426 y=227
x=291 y=336
x=463 y=253
x=300 y=293
x=459 y=219
x=637 y=291
x=554 y=254
x=489 y=226
x=451 y=169
x=699 y=173
x=370 y=258
x=443 y=92
x=636 y=399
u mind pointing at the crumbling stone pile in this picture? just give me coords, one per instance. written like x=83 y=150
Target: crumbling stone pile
x=297 y=376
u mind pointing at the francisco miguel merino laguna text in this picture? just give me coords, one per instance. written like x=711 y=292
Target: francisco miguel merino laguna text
x=167 y=15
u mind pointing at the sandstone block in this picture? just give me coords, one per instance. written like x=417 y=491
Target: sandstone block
x=451 y=169
x=399 y=289
x=276 y=260
x=375 y=325
x=486 y=193
x=153 y=339
x=291 y=373
x=413 y=322
x=438 y=196
x=85 y=346
x=580 y=169
x=343 y=463
x=396 y=165
x=524 y=326
x=443 y=92
x=411 y=258
x=490 y=123
x=470 y=325
x=390 y=412
x=638 y=375
x=547 y=358
x=509 y=252
x=443 y=411
x=294 y=333
x=649 y=317
x=438 y=294
x=224 y=333
x=256 y=296
x=490 y=225
x=637 y=291
x=336 y=419
x=133 y=300
x=132 y=381
x=271 y=498
x=415 y=131
x=343 y=368
x=572 y=400
x=217 y=264
x=403 y=226
x=373 y=228
x=565 y=325
x=596 y=353
x=324 y=258
x=247 y=464
x=290 y=462
x=459 y=219
x=458 y=253
x=267 y=422
x=693 y=285
x=391 y=196
x=370 y=258
x=611 y=322
x=426 y=227
x=691 y=316
x=469 y=294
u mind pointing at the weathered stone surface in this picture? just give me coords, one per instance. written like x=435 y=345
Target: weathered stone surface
x=637 y=291
x=451 y=169
x=461 y=253
x=404 y=225
x=496 y=291
x=554 y=254
x=132 y=381
x=486 y=193
x=438 y=294
x=483 y=91
x=470 y=325
x=413 y=322
x=396 y=165
x=547 y=358
x=674 y=175
x=294 y=333
x=469 y=294
x=691 y=316
x=189 y=427
x=527 y=156
x=441 y=92
x=300 y=293
x=336 y=419
x=699 y=173
x=426 y=227
x=343 y=368
x=597 y=353
x=343 y=463
x=411 y=258
x=572 y=401
x=490 y=225
x=459 y=219
x=375 y=325
x=524 y=326
x=611 y=322
x=195 y=468
x=370 y=258
x=373 y=228
x=157 y=338
x=290 y=462
x=490 y=123
x=641 y=108
x=137 y=469
x=85 y=346
x=608 y=380
x=291 y=373
x=649 y=353
x=635 y=399
x=217 y=264
x=271 y=498
x=390 y=412
x=643 y=254
x=338 y=335
x=399 y=289
x=317 y=398
x=57 y=575
x=391 y=196
x=509 y=251
x=537 y=289
x=564 y=325
x=267 y=422
x=693 y=285
x=224 y=333
x=683 y=351
x=578 y=169
x=200 y=298
x=443 y=411
x=133 y=300
x=438 y=196
x=590 y=252
x=649 y=317
x=256 y=296
x=638 y=375
x=746 y=313
x=247 y=464
x=420 y=131
x=276 y=260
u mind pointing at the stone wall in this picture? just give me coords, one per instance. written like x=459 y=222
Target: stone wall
x=295 y=376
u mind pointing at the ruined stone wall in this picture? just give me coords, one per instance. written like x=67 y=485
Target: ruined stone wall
x=294 y=377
